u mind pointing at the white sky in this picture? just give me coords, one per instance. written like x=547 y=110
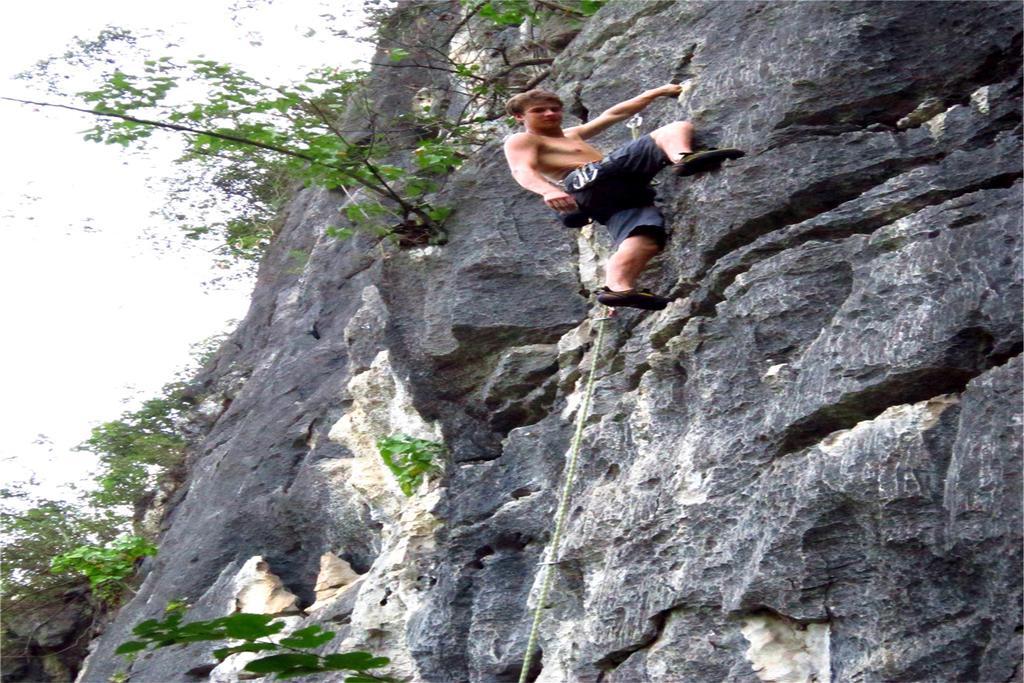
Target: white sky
x=93 y=314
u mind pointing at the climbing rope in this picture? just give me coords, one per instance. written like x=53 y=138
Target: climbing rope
x=563 y=503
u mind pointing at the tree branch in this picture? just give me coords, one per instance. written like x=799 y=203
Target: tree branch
x=518 y=65
x=462 y=22
x=417 y=65
x=550 y=4
x=388 y=194
x=173 y=126
x=536 y=80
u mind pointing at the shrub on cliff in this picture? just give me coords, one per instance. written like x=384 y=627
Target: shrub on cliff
x=291 y=656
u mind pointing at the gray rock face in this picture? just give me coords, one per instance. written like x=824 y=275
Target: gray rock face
x=807 y=468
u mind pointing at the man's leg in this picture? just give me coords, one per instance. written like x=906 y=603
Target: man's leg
x=674 y=139
x=628 y=262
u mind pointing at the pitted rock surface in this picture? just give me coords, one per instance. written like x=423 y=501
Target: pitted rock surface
x=808 y=467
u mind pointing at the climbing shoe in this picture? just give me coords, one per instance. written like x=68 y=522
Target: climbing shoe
x=633 y=298
x=704 y=159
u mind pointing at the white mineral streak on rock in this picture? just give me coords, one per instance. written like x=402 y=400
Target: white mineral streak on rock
x=654 y=450
x=979 y=100
x=286 y=301
x=776 y=375
x=689 y=488
x=684 y=89
x=335 y=575
x=928 y=108
x=911 y=418
x=381 y=406
x=937 y=125
x=784 y=651
x=257 y=591
x=592 y=255
x=423 y=253
x=260 y=591
x=365 y=328
x=564 y=635
x=149 y=525
x=389 y=592
x=569 y=344
x=211 y=407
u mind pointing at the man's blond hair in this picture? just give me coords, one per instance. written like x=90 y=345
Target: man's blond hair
x=524 y=100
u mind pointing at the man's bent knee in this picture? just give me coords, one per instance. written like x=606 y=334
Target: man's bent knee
x=673 y=128
x=642 y=244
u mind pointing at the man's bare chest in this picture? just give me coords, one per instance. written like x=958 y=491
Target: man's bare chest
x=566 y=147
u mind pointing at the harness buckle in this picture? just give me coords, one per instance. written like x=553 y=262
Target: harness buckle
x=583 y=176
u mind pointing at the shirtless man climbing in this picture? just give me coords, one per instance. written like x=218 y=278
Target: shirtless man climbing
x=580 y=182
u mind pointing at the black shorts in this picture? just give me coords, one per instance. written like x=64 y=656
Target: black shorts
x=616 y=191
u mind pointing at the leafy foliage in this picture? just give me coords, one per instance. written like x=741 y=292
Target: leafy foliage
x=515 y=12
x=269 y=131
x=106 y=566
x=134 y=449
x=50 y=545
x=409 y=459
x=291 y=657
x=249 y=193
x=507 y=12
x=35 y=531
x=252 y=140
x=82 y=54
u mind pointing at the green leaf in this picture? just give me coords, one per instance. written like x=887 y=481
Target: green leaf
x=307 y=638
x=153 y=626
x=299 y=671
x=354 y=661
x=245 y=626
x=397 y=54
x=225 y=652
x=282 y=663
x=409 y=459
x=339 y=233
x=130 y=646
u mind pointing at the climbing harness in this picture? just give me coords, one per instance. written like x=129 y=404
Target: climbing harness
x=563 y=502
x=587 y=173
x=581 y=177
x=634 y=129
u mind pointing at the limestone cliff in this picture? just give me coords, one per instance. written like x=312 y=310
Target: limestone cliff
x=807 y=468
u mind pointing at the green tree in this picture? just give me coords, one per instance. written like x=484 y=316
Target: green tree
x=33 y=532
x=107 y=566
x=133 y=452
x=136 y=448
x=253 y=140
x=265 y=133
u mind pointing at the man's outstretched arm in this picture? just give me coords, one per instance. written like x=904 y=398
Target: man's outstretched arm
x=623 y=110
x=522 y=160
